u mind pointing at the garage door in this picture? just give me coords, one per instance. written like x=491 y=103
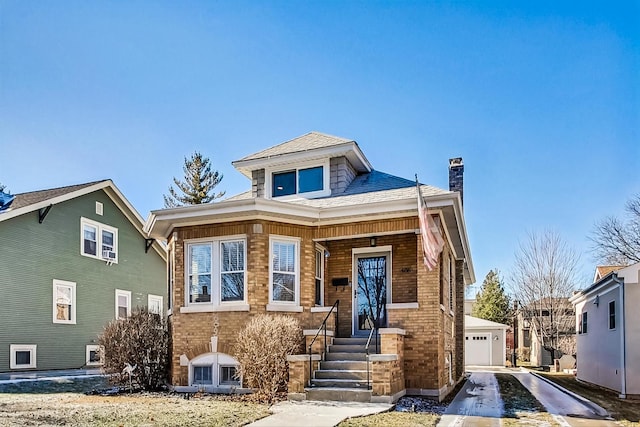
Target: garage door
x=477 y=349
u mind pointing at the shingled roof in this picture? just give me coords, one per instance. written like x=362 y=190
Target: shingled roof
x=306 y=142
x=31 y=198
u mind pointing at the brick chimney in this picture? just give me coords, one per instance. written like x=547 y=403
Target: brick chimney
x=456 y=170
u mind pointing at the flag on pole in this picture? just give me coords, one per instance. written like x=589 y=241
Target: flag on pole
x=432 y=242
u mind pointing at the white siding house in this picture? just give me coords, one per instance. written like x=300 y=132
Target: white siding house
x=608 y=331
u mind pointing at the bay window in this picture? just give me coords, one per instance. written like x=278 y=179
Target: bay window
x=216 y=271
x=284 y=274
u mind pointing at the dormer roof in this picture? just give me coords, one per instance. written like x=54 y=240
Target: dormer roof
x=310 y=146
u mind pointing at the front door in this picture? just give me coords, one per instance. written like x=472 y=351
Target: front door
x=370 y=293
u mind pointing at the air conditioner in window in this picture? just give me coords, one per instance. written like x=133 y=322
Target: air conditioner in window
x=108 y=255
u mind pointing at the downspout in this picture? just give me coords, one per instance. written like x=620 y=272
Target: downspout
x=623 y=349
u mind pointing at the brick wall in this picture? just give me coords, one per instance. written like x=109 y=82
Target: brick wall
x=429 y=330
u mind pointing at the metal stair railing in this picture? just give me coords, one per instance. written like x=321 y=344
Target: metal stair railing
x=374 y=330
x=322 y=327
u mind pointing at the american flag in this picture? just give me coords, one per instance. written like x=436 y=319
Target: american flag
x=432 y=242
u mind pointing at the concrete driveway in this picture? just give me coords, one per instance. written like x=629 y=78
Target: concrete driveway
x=479 y=404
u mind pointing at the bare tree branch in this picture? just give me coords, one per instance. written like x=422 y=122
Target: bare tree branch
x=544 y=276
x=615 y=241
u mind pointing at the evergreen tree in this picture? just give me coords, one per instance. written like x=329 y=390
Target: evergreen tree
x=198 y=184
x=492 y=303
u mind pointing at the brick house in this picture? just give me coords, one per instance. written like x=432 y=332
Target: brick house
x=320 y=225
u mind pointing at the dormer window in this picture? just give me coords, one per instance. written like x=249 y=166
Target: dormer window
x=307 y=181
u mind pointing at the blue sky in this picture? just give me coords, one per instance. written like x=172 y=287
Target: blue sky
x=542 y=100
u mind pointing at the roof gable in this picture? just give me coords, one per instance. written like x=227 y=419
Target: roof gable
x=23 y=200
x=308 y=147
x=306 y=142
x=477 y=323
x=35 y=200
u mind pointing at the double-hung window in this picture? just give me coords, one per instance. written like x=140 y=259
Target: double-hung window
x=284 y=271
x=123 y=304
x=99 y=240
x=64 y=302
x=216 y=271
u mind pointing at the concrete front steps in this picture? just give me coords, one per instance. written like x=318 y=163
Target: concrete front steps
x=343 y=375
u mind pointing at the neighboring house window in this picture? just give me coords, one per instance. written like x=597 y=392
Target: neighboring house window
x=612 y=315
x=93 y=355
x=284 y=271
x=64 y=302
x=99 y=240
x=22 y=356
x=216 y=271
x=123 y=304
x=584 y=323
x=319 y=300
x=154 y=304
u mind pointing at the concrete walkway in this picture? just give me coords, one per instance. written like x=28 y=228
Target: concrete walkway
x=317 y=414
x=27 y=376
x=478 y=403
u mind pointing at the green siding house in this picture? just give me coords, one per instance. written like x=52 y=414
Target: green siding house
x=71 y=260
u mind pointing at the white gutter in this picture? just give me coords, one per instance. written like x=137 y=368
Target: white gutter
x=623 y=347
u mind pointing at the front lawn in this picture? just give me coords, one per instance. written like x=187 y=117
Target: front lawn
x=625 y=411
x=62 y=402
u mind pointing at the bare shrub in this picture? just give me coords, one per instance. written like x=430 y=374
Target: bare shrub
x=142 y=340
x=524 y=354
x=261 y=349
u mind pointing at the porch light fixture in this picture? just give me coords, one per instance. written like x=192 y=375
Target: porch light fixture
x=597 y=301
x=372 y=241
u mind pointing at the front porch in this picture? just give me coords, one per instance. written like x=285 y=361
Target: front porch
x=358 y=369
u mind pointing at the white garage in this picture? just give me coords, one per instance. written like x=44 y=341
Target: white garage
x=484 y=342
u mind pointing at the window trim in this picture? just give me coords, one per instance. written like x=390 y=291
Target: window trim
x=160 y=299
x=100 y=227
x=14 y=348
x=326 y=179
x=235 y=383
x=319 y=252
x=93 y=347
x=274 y=305
x=213 y=361
x=74 y=304
x=216 y=303
x=121 y=292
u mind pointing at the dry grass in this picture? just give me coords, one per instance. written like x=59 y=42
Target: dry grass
x=46 y=403
x=393 y=419
x=625 y=411
x=520 y=406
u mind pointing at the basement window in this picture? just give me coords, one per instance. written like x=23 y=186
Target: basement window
x=22 y=356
